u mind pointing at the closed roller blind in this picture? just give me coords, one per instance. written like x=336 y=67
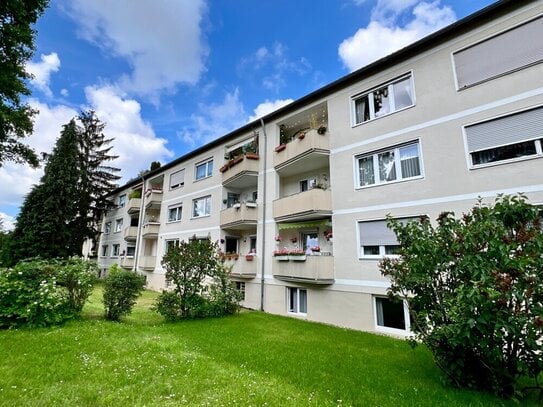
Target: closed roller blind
x=506 y=52
x=512 y=129
x=177 y=178
x=376 y=233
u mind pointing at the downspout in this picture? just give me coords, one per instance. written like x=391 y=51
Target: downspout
x=263 y=256
x=140 y=225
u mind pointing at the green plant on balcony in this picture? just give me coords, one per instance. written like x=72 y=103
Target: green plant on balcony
x=135 y=194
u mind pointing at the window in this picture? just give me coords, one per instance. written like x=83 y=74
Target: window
x=104 y=250
x=122 y=200
x=130 y=251
x=171 y=243
x=307 y=184
x=385 y=99
x=174 y=213
x=377 y=240
x=506 y=138
x=391 y=314
x=252 y=244
x=504 y=53
x=398 y=163
x=310 y=240
x=232 y=199
x=254 y=196
x=107 y=228
x=177 y=179
x=201 y=207
x=116 y=249
x=231 y=244
x=204 y=170
x=240 y=287
x=118 y=225
x=297 y=300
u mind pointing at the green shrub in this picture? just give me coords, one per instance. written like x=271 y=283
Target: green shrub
x=121 y=290
x=77 y=276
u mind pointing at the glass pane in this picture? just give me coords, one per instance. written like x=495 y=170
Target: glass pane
x=210 y=168
x=309 y=241
x=381 y=102
x=371 y=250
x=207 y=206
x=131 y=250
x=231 y=245
x=303 y=185
x=365 y=167
x=387 y=166
x=232 y=199
x=362 y=109
x=403 y=95
x=392 y=313
x=504 y=153
x=409 y=158
x=392 y=249
x=293 y=300
x=303 y=301
x=198 y=208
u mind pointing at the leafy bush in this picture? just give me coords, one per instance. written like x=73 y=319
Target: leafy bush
x=201 y=284
x=121 y=290
x=475 y=291
x=40 y=293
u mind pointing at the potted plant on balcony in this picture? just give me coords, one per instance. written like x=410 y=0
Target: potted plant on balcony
x=329 y=235
x=316 y=249
x=281 y=255
x=321 y=130
x=249 y=257
x=296 y=255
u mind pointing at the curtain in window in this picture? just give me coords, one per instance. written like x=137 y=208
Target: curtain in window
x=387 y=166
x=402 y=93
x=409 y=158
x=365 y=167
x=362 y=109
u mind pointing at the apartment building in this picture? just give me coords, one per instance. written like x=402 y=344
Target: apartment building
x=298 y=198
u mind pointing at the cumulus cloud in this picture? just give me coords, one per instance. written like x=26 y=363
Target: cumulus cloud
x=383 y=36
x=162 y=41
x=214 y=120
x=42 y=71
x=267 y=107
x=7 y=221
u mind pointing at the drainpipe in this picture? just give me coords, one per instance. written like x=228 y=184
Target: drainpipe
x=140 y=225
x=263 y=256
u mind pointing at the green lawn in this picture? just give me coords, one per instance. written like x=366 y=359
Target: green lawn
x=249 y=359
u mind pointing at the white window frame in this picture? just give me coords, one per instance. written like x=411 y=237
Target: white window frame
x=179 y=213
x=392 y=108
x=397 y=163
x=115 y=250
x=118 y=225
x=394 y=331
x=296 y=310
x=208 y=169
x=206 y=206
x=382 y=247
x=122 y=201
x=241 y=288
x=107 y=228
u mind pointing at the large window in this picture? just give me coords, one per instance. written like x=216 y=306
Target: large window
x=377 y=240
x=398 y=163
x=107 y=228
x=201 y=207
x=118 y=225
x=385 y=99
x=507 y=52
x=204 y=169
x=391 y=314
x=177 y=179
x=122 y=201
x=174 y=213
x=506 y=138
x=116 y=248
x=297 y=300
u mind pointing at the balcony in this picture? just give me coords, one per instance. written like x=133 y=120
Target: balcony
x=311 y=204
x=314 y=270
x=150 y=230
x=133 y=206
x=242 y=268
x=153 y=198
x=130 y=233
x=147 y=263
x=241 y=172
x=127 y=262
x=241 y=216
x=302 y=155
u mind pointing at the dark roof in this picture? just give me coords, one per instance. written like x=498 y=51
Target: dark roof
x=476 y=19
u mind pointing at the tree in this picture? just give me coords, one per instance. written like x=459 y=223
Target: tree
x=16 y=47
x=475 y=291
x=121 y=290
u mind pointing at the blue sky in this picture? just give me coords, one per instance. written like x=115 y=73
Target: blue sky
x=169 y=76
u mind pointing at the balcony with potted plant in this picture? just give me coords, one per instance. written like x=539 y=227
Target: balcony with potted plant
x=241 y=165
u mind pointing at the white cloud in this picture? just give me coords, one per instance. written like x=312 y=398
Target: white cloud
x=382 y=37
x=214 y=120
x=7 y=221
x=162 y=40
x=42 y=71
x=267 y=107
x=64 y=92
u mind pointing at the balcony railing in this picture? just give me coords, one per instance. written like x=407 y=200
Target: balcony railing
x=315 y=270
x=242 y=215
x=130 y=233
x=153 y=198
x=150 y=230
x=304 y=205
x=241 y=171
x=127 y=262
x=313 y=148
x=242 y=268
x=134 y=205
x=147 y=263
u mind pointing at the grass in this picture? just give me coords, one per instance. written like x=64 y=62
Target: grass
x=249 y=359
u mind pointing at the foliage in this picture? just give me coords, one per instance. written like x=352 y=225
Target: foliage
x=121 y=290
x=135 y=194
x=475 y=290
x=201 y=285
x=155 y=165
x=16 y=48
x=40 y=293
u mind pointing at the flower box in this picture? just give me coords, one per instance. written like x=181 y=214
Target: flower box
x=280 y=147
x=296 y=257
x=249 y=257
x=281 y=258
x=250 y=204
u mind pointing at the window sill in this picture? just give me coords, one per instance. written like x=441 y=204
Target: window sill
x=393 y=331
x=201 y=179
x=173 y=221
x=398 y=181
x=504 y=162
x=200 y=217
x=297 y=314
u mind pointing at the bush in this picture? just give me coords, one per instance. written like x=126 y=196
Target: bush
x=475 y=291
x=77 y=276
x=121 y=290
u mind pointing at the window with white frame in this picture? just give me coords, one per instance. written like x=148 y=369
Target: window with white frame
x=240 y=287
x=385 y=99
x=177 y=179
x=118 y=225
x=297 y=300
x=307 y=184
x=204 y=169
x=506 y=138
x=391 y=315
x=201 y=207
x=122 y=200
x=377 y=240
x=107 y=228
x=104 y=250
x=171 y=243
x=174 y=213
x=393 y=164
x=116 y=248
